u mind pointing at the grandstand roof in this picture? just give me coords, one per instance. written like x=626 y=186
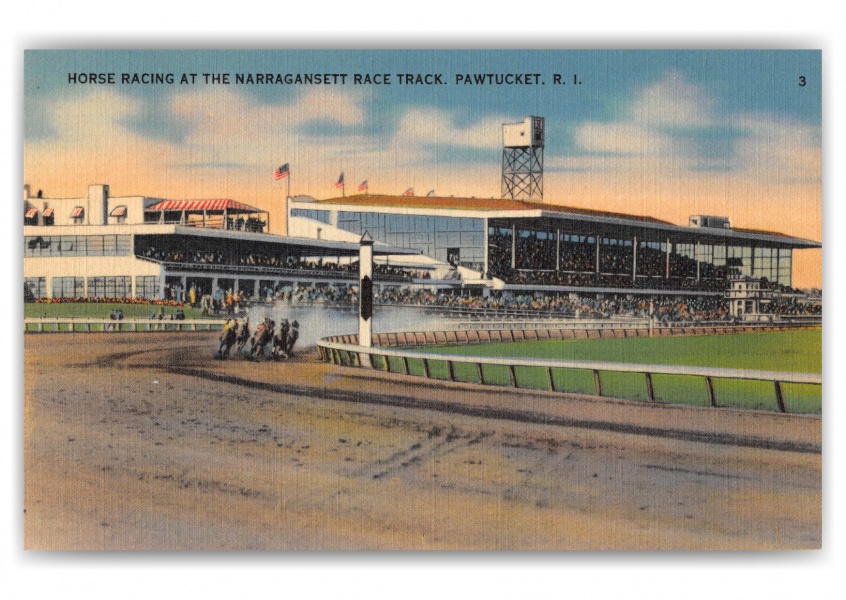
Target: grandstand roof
x=507 y=205
x=319 y=247
x=212 y=205
x=481 y=204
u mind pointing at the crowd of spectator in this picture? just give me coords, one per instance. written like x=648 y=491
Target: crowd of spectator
x=664 y=310
x=278 y=261
x=186 y=256
x=534 y=263
x=791 y=307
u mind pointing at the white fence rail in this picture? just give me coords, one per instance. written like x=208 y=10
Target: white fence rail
x=360 y=356
x=59 y=325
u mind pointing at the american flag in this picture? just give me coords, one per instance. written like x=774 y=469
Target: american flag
x=409 y=192
x=282 y=172
x=340 y=182
x=362 y=187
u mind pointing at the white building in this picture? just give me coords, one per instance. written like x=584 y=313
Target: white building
x=99 y=246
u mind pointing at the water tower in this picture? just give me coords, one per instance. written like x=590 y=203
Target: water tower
x=522 y=159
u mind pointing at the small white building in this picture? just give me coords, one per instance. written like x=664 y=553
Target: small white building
x=745 y=297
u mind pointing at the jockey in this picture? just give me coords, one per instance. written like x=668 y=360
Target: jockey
x=293 y=335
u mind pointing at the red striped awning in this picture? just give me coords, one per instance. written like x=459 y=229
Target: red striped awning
x=77 y=212
x=118 y=211
x=198 y=205
x=31 y=213
x=48 y=212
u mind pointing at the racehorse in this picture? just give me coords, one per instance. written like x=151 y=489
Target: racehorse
x=262 y=337
x=280 y=341
x=227 y=340
x=292 y=339
x=243 y=336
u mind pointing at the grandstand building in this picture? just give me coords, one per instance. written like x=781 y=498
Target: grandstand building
x=99 y=246
x=521 y=246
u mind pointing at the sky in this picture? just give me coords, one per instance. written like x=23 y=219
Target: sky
x=661 y=133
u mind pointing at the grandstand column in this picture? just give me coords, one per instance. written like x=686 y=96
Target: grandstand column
x=634 y=259
x=513 y=245
x=596 y=267
x=214 y=285
x=558 y=249
x=696 y=252
x=486 y=225
x=162 y=284
x=667 y=264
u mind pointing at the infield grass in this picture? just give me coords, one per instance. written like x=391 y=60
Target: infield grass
x=789 y=351
x=99 y=310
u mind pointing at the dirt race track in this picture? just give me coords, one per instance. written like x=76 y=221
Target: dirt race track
x=142 y=441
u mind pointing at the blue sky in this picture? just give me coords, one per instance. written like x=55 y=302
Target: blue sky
x=738 y=82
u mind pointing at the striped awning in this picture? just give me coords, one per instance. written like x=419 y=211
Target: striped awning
x=48 y=212
x=118 y=211
x=77 y=212
x=31 y=213
x=200 y=205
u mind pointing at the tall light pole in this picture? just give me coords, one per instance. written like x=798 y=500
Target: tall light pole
x=365 y=290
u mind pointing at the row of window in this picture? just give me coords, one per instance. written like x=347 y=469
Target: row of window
x=310 y=213
x=118 y=215
x=77 y=245
x=120 y=286
x=457 y=240
x=357 y=222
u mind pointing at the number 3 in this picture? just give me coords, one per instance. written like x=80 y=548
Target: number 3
x=802 y=81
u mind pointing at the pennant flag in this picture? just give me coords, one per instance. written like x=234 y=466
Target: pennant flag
x=340 y=182
x=409 y=192
x=362 y=187
x=431 y=193
x=282 y=172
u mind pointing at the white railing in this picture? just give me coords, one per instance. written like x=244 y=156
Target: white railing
x=360 y=356
x=71 y=324
x=552 y=323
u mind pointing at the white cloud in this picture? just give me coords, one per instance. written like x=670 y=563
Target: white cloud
x=623 y=138
x=790 y=149
x=663 y=124
x=673 y=102
x=438 y=127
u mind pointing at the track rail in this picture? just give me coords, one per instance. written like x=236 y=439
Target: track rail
x=347 y=354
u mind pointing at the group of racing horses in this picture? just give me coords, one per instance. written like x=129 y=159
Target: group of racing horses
x=281 y=342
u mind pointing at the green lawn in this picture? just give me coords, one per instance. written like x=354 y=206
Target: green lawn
x=799 y=350
x=96 y=310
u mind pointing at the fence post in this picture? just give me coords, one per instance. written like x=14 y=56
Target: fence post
x=451 y=368
x=649 y=389
x=551 y=380
x=512 y=375
x=481 y=373
x=405 y=365
x=712 y=398
x=426 y=368
x=597 y=383
x=779 y=396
